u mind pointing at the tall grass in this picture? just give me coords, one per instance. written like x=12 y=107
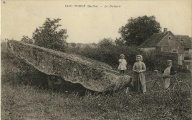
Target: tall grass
x=26 y=102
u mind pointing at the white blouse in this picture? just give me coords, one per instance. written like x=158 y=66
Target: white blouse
x=122 y=64
x=167 y=71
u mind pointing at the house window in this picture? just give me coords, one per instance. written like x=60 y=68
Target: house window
x=187 y=58
x=169 y=39
x=161 y=48
x=186 y=49
x=174 y=50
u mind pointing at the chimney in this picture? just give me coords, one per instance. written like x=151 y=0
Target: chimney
x=165 y=30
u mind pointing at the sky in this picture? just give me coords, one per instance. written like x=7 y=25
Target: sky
x=90 y=24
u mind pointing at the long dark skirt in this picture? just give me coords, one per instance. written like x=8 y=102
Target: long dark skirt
x=137 y=86
x=137 y=83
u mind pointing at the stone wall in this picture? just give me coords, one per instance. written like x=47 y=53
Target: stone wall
x=91 y=74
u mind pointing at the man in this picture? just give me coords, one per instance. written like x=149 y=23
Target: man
x=167 y=73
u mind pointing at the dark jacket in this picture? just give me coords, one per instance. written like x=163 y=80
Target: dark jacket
x=172 y=71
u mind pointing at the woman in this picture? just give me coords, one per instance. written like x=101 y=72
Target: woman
x=139 y=69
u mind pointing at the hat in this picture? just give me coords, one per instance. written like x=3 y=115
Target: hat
x=169 y=60
x=140 y=57
x=122 y=56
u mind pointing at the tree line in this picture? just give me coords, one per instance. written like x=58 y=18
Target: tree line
x=134 y=33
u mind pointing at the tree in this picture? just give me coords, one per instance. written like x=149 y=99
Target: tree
x=73 y=44
x=119 y=41
x=26 y=39
x=49 y=36
x=137 y=30
x=106 y=42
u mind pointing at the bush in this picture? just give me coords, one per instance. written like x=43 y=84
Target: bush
x=158 y=60
x=108 y=54
x=26 y=39
x=151 y=60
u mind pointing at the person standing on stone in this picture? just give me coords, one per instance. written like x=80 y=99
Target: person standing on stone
x=139 y=69
x=122 y=64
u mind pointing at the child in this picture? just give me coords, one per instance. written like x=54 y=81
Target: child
x=122 y=64
x=167 y=72
x=139 y=69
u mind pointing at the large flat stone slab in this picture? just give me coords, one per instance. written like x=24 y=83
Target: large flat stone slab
x=91 y=74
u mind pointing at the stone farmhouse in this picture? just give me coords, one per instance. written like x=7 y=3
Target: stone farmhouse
x=186 y=42
x=167 y=42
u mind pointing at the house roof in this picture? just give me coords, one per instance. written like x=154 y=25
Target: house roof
x=185 y=40
x=153 y=40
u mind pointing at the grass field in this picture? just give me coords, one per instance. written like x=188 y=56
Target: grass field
x=24 y=97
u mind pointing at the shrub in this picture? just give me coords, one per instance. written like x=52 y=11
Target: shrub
x=26 y=39
x=108 y=54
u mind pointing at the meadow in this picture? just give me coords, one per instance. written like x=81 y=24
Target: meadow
x=24 y=96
